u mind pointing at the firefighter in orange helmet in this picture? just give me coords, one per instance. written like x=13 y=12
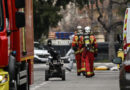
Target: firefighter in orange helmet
x=89 y=51
x=76 y=45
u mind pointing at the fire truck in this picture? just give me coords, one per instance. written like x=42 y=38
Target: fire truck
x=123 y=58
x=126 y=31
x=16 y=44
x=125 y=42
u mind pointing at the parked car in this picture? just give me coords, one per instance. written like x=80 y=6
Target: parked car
x=40 y=53
x=124 y=77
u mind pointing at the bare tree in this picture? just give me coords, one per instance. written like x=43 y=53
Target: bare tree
x=112 y=23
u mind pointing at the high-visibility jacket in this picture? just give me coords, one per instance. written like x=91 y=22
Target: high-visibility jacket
x=92 y=44
x=90 y=48
x=81 y=43
x=77 y=44
x=81 y=46
x=120 y=54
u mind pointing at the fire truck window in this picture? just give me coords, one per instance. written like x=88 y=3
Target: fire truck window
x=1 y=16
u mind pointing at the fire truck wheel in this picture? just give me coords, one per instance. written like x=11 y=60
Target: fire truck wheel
x=11 y=68
x=46 y=75
x=63 y=74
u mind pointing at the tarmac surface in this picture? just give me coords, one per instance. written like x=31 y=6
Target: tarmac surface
x=108 y=65
x=103 y=79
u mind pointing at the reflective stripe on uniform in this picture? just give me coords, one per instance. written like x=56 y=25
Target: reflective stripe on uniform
x=81 y=50
x=91 y=50
x=76 y=38
x=92 y=38
x=74 y=42
x=89 y=73
x=83 y=69
x=87 y=42
x=77 y=52
x=81 y=42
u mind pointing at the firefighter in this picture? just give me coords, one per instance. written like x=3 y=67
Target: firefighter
x=89 y=51
x=81 y=46
x=120 y=54
x=70 y=55
x=77 y=48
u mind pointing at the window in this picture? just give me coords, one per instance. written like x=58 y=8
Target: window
x=1 y=17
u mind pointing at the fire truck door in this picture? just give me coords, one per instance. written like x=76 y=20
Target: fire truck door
x=3 y=36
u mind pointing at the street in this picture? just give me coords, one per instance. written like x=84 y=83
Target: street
x=103 y=80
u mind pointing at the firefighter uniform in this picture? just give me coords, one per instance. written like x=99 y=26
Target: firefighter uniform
x=76 y=45
x=81 y=46
x=76 y=48
x=89 y=51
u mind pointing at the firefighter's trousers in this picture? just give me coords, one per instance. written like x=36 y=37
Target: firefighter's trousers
x=78 y=62
x=89 y=61
x=83 y=64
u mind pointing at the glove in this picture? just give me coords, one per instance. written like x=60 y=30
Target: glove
x=74 y=48
x=95 y=55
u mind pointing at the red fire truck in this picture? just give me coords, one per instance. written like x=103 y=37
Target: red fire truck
x=16 y=44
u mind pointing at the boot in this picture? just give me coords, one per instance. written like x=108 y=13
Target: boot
x=84 y=74
x=78 y=74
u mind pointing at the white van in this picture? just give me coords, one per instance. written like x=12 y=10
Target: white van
x=40 y=53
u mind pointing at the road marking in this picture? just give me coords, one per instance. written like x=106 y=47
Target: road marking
x=44 y=83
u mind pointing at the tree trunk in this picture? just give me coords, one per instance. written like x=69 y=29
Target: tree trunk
x=92 y=2
x=111 y=33
x=109 y=26
x=111 y=45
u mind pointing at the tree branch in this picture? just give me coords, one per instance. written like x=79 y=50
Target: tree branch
x=120 y=3
x=100 y=17
x=116 y=24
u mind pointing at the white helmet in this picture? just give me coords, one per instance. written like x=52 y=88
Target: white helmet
x=79 y=30
x=87 y=29
x=79 y=27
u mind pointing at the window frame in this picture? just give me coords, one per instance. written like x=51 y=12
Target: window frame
x=2 y=15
